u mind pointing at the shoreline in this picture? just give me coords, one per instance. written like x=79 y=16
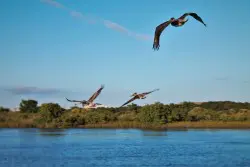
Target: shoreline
x=137 y=125
x=173 y=126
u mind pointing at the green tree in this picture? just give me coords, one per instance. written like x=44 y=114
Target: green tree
x=99 y=116
x=50 y=111
x=28 y=106
x=133 y=107
x=155 y=113
x=198 y=114
x=179 y=113
x=126 y=116
x=2 y=109
x=70 y=119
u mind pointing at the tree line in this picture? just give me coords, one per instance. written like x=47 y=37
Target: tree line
x=53 y=115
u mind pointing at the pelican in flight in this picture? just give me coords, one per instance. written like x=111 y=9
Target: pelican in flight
x=174 y=22
x=89 y=102
x=139 y=96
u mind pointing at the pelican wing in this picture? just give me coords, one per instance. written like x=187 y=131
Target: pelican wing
x=132 y=99
x=97 y=93
x=194 y=15
x=158 y=30
x=145 y=93
x=73 y=100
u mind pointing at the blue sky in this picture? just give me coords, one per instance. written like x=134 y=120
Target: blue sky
x=57 y=49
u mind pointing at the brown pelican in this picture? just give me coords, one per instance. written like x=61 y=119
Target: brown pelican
x=90 y=101
x=139 y=96
x=174 y=22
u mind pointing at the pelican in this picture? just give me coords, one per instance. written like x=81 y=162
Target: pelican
x=175 y=23
x=139 y=96
x=89 y=102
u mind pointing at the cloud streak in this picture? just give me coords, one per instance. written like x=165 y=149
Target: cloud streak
x=79 y=15
x=54 y=3
x=222 y=78
x=246 y=82
x=107 y=23
x=227 y=78
x=30 y=90
x=116 y=27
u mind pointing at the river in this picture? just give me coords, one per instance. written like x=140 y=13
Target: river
x=124 y=147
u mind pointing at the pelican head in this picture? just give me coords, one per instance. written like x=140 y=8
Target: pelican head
x=185 y=20
x=134 y=94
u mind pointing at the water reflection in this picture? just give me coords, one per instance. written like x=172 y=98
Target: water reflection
x=178 y=129
x=89 y=133
x=51 y=132
x=154 y=133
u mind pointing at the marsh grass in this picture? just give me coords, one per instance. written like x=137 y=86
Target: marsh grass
x=124 y=125
x=211 y=124
x=129 y=119
x=17 y=120
x=175 y=125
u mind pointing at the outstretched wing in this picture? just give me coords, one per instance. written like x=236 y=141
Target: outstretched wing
x=145 y=93
x=158 y=31
x=194 y=15
x=73 y=100
x=94 y=96
x=132 y=99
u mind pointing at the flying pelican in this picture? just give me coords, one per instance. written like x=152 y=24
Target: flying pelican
x=174 y=22
x=90 y=101
x=139 y=96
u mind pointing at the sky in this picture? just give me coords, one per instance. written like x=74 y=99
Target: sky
x=51 y=49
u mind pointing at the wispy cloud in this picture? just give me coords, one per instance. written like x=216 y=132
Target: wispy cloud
x=107 y=23
x=116 y=27
x=76 y=14
x=30 y=90
x=222 y=78
x=246 y=82
x=79 y=15
x=54 y=3
x=143 y=36
x=227 y=78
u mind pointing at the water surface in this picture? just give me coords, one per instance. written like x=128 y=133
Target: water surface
x=123 y=147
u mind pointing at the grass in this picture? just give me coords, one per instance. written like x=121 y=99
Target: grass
x=17 y=120
x=124 y=125
x=175 y=125
x=212 y=124
x=24 y=120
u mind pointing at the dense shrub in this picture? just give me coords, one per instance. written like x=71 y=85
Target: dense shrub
x=28 y=106
x=50 y=111
x=100 y=116
x=2 y=109
x=199 y=114
x=126 y=116
x=53 y=115
x=156 y=113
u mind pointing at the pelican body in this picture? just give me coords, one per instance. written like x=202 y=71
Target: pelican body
x=139 y=96
x=90 y=102
x=178 y=22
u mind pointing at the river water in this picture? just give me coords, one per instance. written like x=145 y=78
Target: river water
x=124 y=147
